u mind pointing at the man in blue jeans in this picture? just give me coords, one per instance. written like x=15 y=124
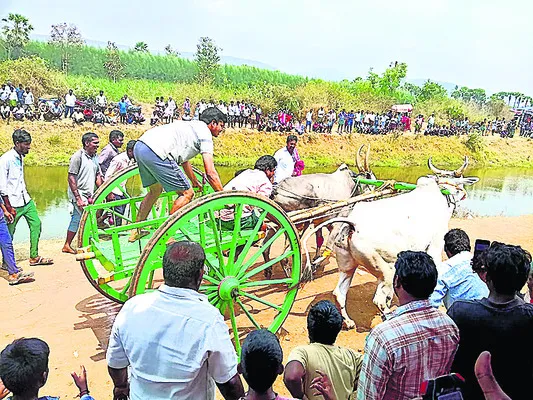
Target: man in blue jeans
x=16 y=275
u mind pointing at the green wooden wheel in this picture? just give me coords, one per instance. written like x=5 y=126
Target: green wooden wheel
x=108 y=260
x=234 y=280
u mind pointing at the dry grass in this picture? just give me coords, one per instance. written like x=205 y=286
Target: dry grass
x=54 y=143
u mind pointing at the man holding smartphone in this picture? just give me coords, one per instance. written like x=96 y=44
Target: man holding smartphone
x=456 y=280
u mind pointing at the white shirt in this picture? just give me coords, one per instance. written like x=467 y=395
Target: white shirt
x=12 y=182
x=251 y=180
x=5 y=94
x=285 y=166
x=180 y=140
x=70 y=100
x=13 y=95
x=101 y=100
x=233 y=110
x=309 y=116
x=175 y=343
x=171 y=105
x=28 y=98
x=202 y=107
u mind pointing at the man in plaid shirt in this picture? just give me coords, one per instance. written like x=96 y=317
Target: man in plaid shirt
x=415 y=343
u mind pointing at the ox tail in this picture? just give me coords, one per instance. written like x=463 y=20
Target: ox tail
x=307 y=273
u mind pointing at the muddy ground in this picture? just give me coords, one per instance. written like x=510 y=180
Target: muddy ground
x=62 y=308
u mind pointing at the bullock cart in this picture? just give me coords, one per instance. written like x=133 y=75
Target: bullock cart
x=238 y=252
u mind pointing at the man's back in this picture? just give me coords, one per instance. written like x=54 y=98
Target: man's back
x=505 y=331
x=341 y=364
x=175 y=343
x=415 y=343
x=181 y=140
x=457 y=281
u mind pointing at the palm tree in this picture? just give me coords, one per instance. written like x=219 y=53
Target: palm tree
x=16 y=33
x=141 y=47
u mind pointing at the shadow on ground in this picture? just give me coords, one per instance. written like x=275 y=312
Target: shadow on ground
x=98 y=314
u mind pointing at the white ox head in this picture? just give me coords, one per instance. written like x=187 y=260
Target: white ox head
x=363 y=165
x=453 y=180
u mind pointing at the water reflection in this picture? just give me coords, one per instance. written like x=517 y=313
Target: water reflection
x=502 y=191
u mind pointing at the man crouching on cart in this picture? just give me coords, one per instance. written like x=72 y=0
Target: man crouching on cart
x=161 y=150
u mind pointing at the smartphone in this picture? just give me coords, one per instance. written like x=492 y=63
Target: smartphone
x=480 y=246
x=446 y=387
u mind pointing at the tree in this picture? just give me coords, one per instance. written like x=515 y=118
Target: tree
x=392 y=77
x=114 y=65
x=479 y=96
x=15 y=34
x=67 y=38
x=207 y=58
x=141 y=47
x=432 y=90
x=415 y=90
x=169 y=51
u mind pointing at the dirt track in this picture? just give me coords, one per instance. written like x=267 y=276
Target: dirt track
x=62 y=308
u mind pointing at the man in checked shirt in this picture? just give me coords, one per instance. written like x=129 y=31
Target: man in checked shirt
x=416 y=342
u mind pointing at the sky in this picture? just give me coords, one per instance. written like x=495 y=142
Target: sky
x=475 y=43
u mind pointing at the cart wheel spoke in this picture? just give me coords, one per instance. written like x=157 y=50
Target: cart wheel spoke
x=250 y=240
x=260 y=252
x=236 y=232
x=248 y=314
x=249 y=284
x=234 y=327
x=216 y=237
x=264 y=266
x=260 y=300
x=211 y=279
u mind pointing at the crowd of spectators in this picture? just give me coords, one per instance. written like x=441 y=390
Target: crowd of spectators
x=19 y=103
x=172 y=343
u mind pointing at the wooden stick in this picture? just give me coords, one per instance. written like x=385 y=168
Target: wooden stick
x=301 y=215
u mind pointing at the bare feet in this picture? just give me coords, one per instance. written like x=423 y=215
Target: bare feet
x=67 y=249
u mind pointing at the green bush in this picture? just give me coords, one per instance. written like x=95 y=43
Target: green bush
x=35 y=73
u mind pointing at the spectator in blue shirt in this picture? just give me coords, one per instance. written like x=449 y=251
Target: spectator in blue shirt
x=349 y=123
x=456 y=279
x=122 y=109
x=20 y=94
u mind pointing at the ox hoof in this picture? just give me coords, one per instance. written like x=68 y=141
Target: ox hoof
x=268 y=273
x=349 y=324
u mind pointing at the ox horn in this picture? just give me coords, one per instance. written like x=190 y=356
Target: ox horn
x=459 y=172
x=435 y=170
x=367 y=156
x=358 y=159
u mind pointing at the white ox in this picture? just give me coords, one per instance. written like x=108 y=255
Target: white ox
x=377 y=231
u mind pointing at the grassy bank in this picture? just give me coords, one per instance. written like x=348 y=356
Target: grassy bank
x=54 y=143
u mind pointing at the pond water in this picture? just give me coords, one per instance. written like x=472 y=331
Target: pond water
x=500 y=191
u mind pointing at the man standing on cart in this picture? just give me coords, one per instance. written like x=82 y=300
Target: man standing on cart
x=161 y=150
